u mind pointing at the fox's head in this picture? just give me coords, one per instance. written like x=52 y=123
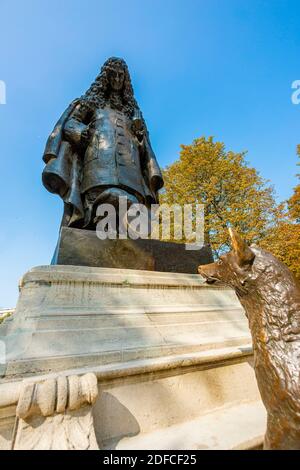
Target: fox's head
x=233 y=268
x=262 y=283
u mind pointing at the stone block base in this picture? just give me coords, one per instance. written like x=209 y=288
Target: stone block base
x=84 y=248
x=172 y=357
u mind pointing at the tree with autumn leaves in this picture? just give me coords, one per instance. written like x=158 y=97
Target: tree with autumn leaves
x=284 y=240
x=294 y=201
x=233 y=194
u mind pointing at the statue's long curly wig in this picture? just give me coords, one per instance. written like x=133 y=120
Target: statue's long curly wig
x=99 y=94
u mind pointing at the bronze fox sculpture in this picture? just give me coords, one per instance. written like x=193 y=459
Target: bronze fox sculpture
x=270 y=295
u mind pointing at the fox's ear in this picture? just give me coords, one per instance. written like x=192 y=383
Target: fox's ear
x=244 y=253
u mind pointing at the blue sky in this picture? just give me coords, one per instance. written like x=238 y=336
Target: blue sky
x=199 y=67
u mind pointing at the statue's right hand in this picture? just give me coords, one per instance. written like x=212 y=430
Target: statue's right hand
x=76 y=133
x=68 y=134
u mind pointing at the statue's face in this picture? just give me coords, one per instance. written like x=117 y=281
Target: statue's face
x=116 y=78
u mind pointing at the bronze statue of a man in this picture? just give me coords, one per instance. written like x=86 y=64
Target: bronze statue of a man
x=99 y=150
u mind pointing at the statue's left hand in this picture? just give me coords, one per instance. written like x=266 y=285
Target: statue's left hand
x=137 y=128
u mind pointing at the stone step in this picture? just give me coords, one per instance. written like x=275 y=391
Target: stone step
x=232 y=428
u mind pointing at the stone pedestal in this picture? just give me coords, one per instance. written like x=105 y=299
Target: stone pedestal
x=172 y=356
x=84 y=248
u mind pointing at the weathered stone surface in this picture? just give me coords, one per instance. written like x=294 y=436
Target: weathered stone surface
x=56 y=395
x=166 y=348
x=56 y=414
x=235 y=427
x=69 y=315
x=195 y=401
x=83 y=248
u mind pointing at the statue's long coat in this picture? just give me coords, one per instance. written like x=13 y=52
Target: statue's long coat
x=112 y=157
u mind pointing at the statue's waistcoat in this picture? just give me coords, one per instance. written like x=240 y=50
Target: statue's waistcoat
x=112 y=156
